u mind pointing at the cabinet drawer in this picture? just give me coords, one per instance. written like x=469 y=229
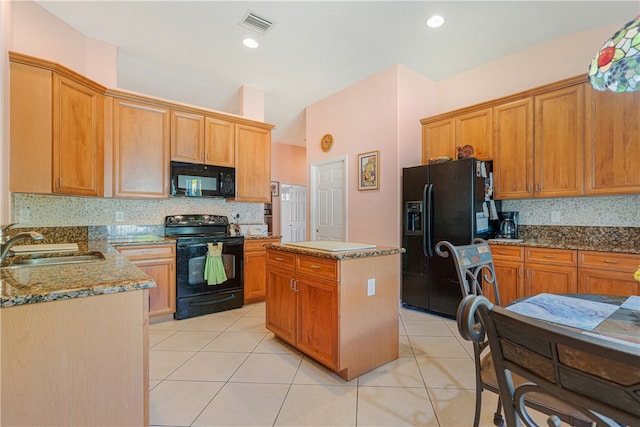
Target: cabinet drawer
x=551 y=256
x=147 y=251
x=609 y=261
x=507 y=253
x=318 y=267
x=258 y=244
x=281 y=259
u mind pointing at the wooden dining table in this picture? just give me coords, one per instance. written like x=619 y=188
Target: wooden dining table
x=622 y=324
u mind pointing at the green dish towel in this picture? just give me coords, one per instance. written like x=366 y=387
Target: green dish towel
x=213 y=267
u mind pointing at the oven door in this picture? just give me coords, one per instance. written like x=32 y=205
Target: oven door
x=194 y=297
x=190 y=263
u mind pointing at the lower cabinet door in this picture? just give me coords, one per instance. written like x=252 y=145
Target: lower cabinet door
x=317 y=333
x=162 y=298
x=281 y=304
x=604 y=282
x=551 y=279
x=509 y=275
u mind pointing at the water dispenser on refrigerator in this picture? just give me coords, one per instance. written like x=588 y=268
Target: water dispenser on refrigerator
x=413 y=217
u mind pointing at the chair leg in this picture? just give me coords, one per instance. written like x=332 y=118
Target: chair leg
x=476 y=420
x=497 y=416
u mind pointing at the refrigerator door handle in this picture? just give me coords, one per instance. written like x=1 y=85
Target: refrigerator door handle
x=427 y=196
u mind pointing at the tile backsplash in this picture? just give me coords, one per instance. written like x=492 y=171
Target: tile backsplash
x=609 y=211
x=36 y=210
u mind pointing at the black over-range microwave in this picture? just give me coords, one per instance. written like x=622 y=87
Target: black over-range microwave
x=194 y=180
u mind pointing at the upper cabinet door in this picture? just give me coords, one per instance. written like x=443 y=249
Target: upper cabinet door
x=559 y=142
x=140 y=150
x=513 y=150
x=253 y=164
x=612 y=150
x=438 y=140
x=475 y=129
x=187 y=137
x=219 y=142
x=78 y=138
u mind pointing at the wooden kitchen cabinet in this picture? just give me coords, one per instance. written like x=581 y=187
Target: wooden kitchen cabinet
x=57 y=125
x=253 y=163
x=141 y=149
x=76 y=362
x=321 y=307
x=438 y=139
x=607 y=273
x=196 y=138
x=612 y=150
x=508 y=262
x=476 y=129
x=255 y=269
x=513 y=150
x=559 y=142
x=552 y=271
x=158 y=261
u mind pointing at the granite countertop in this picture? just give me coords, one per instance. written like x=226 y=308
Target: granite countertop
x=346 y=255
x=564 y=244
x=262 y=237
x=31 y=285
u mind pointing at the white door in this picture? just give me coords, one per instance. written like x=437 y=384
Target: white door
x=329 y=201
x=293 y=213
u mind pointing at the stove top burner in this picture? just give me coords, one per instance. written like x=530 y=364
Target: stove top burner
x=196 y=225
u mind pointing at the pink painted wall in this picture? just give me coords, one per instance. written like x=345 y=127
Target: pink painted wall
x=365 y=117
x=37 y=32
x=547 y=62
x=288 y=166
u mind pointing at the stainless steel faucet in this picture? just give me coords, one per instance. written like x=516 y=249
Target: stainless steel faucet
x=7 y=242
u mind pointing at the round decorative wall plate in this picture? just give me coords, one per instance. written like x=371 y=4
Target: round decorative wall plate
x=327 y=142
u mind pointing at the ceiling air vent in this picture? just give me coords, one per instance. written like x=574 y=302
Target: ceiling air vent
x=256 y=23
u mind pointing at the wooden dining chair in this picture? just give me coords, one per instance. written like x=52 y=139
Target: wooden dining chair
x=598 y=378
x=475 y=269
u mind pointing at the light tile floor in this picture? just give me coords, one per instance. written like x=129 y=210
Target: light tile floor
x=227 y=369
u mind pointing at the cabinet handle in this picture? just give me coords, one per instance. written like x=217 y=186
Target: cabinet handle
x=519 y=271
x=501 y=252
x=528 y=189
x=537 y=188
x=549 y=256
x=279 y=259
x=528 y=273
x=317 y=267
x=611 y=261
x=291 y=284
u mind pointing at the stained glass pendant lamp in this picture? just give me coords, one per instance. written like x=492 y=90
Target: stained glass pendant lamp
x=616 y=66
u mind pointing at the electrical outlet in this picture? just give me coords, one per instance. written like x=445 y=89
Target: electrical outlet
x=371 y=287
x=119 y=216
x=555 y=217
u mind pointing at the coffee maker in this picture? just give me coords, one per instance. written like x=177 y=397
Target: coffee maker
x=508 y=225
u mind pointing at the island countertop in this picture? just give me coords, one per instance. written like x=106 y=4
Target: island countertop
x=29 y=285
x=341 y=255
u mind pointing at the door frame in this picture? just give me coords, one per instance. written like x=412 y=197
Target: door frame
x=313 y=187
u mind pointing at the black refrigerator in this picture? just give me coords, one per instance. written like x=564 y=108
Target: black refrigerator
x=444 y=201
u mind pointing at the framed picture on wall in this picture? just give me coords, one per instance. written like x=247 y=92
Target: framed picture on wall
x=369 y=171
x=275 y=188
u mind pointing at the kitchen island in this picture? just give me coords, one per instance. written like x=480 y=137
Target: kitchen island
x=339 y=307
x=74 y=344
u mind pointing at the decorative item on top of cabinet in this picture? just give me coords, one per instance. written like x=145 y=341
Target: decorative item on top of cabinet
x=196 y=138
x=255 y=269
x=141 y=148
x=607 y=273
x=253 y=163
x=57 y=125
x=552 y=271
x=158 y=261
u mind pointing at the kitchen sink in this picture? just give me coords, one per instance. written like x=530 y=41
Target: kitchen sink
x=53 y=259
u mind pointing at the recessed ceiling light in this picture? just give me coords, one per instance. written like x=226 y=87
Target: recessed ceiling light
x=251 y=43
x=435 y=21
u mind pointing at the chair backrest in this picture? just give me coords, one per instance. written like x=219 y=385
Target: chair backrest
x=599 y=378
x=474 y=264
